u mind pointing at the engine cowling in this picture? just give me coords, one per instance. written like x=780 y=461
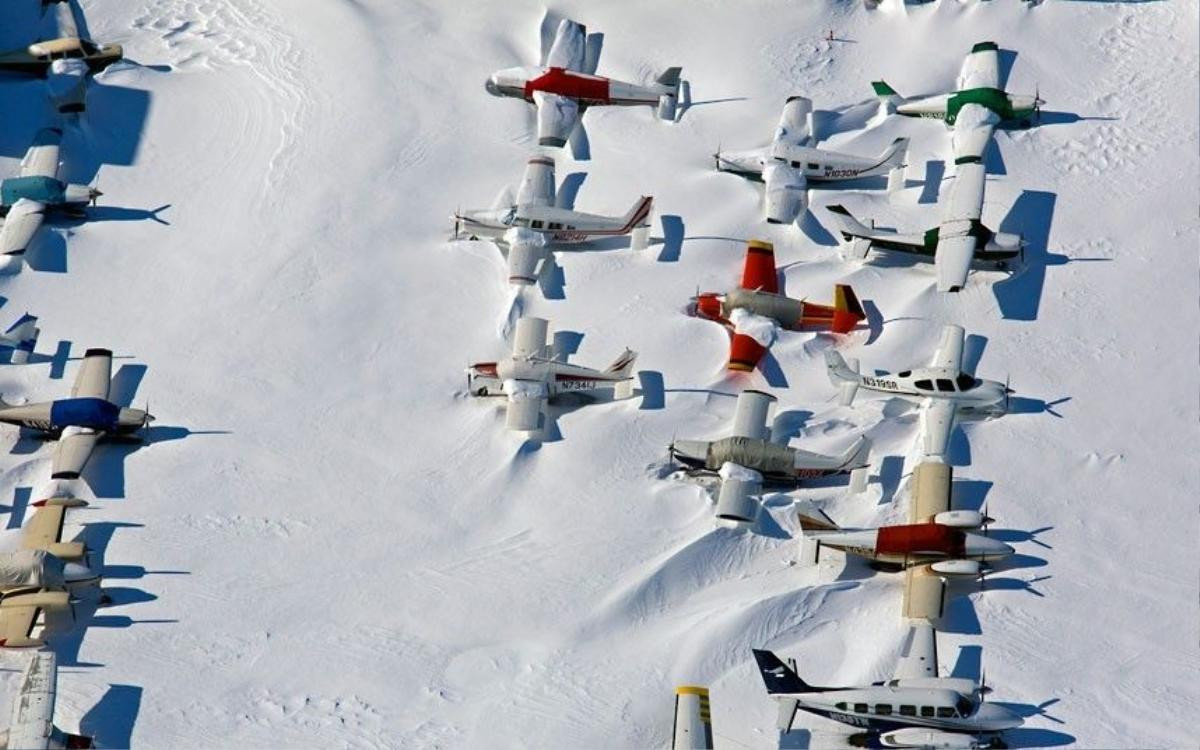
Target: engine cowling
x=961 y=519
x=957 y=568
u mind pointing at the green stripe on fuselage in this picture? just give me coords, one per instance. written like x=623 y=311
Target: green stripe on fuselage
x=993 y=99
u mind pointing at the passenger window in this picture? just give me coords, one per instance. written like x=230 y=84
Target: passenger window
x=945 y=712
x=795 y=165
x=945 y=385
x=883 y=709
x=908 y=710
x=555 y=225
x=860 y=708
x=538 y=224
x=924 y=385
x=840 y=706
x=927 y=710
x=813 y=165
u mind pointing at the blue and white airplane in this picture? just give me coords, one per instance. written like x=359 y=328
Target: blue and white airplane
x=81 y=421
x=35 y=191
x=20 y=339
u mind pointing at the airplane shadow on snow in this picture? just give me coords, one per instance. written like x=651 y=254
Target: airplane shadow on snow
x=970 y=665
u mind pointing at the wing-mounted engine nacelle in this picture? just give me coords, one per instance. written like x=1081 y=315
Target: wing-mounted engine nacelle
x=483 y=380
x=957 y=568
x=66 y=81
x=961 y=519
x=738 y=500
x=1007 y=243
x=786 y=194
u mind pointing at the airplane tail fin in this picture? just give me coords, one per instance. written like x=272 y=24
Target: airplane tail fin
x=668 y=100
x=844 y=375
x=779 y=678
x=638 y=216
x=894 y=156
x=23 y=336
x=847 y=311
x=622 y=366
x=888 y=98
x=856 y=235
x=812 y=518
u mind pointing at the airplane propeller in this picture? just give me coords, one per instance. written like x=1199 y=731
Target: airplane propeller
x=717 y=158
x=94 y=190
x=457 y=222
x=1038 y=101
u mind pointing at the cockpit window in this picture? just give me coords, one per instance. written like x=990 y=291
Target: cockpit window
x=945 y=712
x=924 y=385
x=860 y=708
x=965 y=382
x=945 y=385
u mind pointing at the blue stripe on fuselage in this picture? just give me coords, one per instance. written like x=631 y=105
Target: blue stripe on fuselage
x=45 y=190
x=84 y=412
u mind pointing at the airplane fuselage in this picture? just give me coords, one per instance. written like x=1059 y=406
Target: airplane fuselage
x=993 y=249
x=558 y=225
x=915 y=544
x=934 y=703
x=778 y=464
x=971 y=396
x=792 y=314
x=51 y=192
x=490 y=378
x=37 y=58
x=86 y=413
x=589 y=90
x=1012 y=108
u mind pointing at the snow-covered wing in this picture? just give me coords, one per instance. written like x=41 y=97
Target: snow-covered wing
x=64 y=20
x=41 y=160
x=45 y=528
x=569 y=48
x=793 y=128
x=758 y=271
x=23 y=220
x=537 y=184
x=924 y=594
x=524 y=409
x=33 y=710
x=94 y=375
x=981 y=68
x=930 y=491
x=72 y=452
x=918 y=655
x=750 y=417
x=530 y=337
x=964 y=201
x=937 y=422
x=949 y=351
x=556 y=118
x=952 y=261
x=973 y=130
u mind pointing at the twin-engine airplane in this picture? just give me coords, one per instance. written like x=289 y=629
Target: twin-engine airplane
x=64 y=61
x=81 y=421
x=526 y=227
x=35 y=191
x=755 y=310
x=792 y=161
x=32 y=724
x=750 y=458
x=40 y=575
x=566 y=84
x=945 y=393
x=534 y=374
x=915 y=709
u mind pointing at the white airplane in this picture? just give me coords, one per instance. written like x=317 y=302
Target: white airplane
x=915 y=709
x=32 y=724
x=693 y=719
x=566 y=84
x=20 y=339
x=40 y=574
x=534 y=374
x=974 y=110
x=750 y=457
x=81 y=421
x=527 y=227
x=945 y=393
x=792 y=161
x=35 y=191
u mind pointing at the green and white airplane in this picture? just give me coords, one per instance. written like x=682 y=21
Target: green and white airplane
x=975 y=109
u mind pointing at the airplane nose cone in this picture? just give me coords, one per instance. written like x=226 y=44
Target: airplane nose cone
x=78 y=573
x=992 y=717
x=979 y=546
x=492 y=86
x=708 y=306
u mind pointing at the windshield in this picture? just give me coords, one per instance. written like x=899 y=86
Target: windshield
x=965 y=382
x=965 y=707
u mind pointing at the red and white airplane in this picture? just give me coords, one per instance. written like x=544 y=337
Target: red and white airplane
x=755 y=310
x=565 y=84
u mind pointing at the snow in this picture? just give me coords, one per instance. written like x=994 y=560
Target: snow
x=329 y=545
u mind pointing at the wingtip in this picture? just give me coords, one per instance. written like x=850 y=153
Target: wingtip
x=97 y=352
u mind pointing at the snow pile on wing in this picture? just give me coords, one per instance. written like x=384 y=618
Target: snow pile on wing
x=762 y=329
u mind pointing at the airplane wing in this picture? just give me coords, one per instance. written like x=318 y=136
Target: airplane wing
x=21 y=614
x=41 y=160
x=72 y=452
x=956 y=235
x=750 y=417
x=64 y=18
x=569 y=48
x=32 y=722
x=950 y=349
x=924 y=594
x=930 y=491
x=918 y=655
x=524 y=406
x=981 y=68
x=793 y=128
x=45 y=528
x=937 y=422
x=537 y=184
x=972 y=132
x=759 y=269
x=94 y=376
x=693 y=720
x=556 y=118
x=23 y=220
x=530 y=338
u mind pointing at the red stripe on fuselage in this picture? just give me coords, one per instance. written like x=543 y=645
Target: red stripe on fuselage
x=584 y=88
x=920 y=537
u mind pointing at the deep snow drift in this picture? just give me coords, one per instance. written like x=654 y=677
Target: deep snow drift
x=359 y=555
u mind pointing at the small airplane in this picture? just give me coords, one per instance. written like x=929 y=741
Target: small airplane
x=81 y=421
x=528 y=225
x=41 y=574
x=32 y=724
x=534 y=374
x=755 y=310
x=65 y=61
x=915 y=709
x=693 y=719
x=946 y=393
x=750 y=458
x=975 y=109
x=566 y=84
x=20 y=339
x=792 y=161
x=35 y=191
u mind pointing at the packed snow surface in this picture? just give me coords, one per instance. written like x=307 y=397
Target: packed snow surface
x=328 y=544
